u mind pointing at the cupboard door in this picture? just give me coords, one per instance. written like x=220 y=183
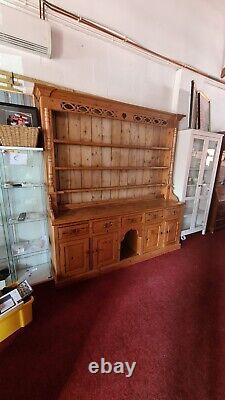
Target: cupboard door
x=171 y=232
x=193 y=181
x=105 y=250
x=74 y=257
x=153 y=238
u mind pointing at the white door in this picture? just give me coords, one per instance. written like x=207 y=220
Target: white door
x=205 y=187
x=200 y=181
x=190 y=196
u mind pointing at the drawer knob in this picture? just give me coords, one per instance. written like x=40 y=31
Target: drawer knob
x=107 y=224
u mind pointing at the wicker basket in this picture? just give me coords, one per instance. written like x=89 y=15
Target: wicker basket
x=19 y=136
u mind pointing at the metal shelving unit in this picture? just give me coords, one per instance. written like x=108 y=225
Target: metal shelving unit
x=24 y=217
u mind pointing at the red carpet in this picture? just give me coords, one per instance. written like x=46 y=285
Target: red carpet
x=167 y=314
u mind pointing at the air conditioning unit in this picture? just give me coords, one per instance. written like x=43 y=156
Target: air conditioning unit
x=24 y=31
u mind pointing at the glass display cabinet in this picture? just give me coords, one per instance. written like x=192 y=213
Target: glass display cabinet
x=24 y=236
x=7 y=273
x=196 y=160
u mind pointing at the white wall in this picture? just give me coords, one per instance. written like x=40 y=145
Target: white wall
x=192 y=31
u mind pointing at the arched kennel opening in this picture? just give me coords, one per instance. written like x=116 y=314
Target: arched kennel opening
x=129 y=244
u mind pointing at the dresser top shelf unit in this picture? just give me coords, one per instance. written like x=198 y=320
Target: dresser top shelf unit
x=101 y=152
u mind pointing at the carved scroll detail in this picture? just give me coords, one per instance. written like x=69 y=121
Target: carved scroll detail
x=150 y=120
x=84 y=109
x=107 y=113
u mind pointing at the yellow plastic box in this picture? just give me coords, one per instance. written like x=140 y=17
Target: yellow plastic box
x=15 y=319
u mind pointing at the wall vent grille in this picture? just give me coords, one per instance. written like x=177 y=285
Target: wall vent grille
x=23 y=44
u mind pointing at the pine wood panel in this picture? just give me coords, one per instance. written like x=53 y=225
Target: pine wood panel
x=147 y=157
x=95 y=167
x=124 y=158
x=96 y=158
x=86 y=156
x=106 y=157
x=103 y=144
x=74 y=156
x=62 y=154
x=115 y=157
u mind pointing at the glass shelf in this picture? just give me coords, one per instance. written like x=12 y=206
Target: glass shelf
x=3 y=255
x=30 y=217
x=29 y=247
x=189 y=198
x=37 y=274
x=22 y=185
x=188 y=212
x=186 y=221
x=26 y=164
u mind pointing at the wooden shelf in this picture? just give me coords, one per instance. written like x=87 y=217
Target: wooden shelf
x=101 y=168
x=84 y=211
x=81 y=190
x=116 y=145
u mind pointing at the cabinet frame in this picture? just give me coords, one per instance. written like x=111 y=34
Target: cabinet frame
x=183 y=156
x=106 y=159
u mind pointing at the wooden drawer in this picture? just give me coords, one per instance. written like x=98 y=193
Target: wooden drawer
x=104 y=226
x=153 y=216
x=67 y=233
x=132 y=220
x=171 y=213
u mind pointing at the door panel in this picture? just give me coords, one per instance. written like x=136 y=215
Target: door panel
x=196 y=157
x=105 y=250
x=199 y=185
x=153 y=238
x=188 y=211
x=206 y=184
x=209 y=167
x=171 y=232
x=74 y=257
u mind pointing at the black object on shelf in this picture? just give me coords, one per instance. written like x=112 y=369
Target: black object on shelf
x=22 y=216
x=4 y=274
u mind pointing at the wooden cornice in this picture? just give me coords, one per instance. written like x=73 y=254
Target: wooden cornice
x=72 y=101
